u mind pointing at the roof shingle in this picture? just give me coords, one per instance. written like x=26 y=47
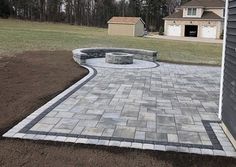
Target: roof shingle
x=125 y=20
x=205 y=3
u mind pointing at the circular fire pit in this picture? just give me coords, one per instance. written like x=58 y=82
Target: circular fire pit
x=119 y=58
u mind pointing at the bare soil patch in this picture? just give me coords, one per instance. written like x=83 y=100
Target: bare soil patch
x=29 y=80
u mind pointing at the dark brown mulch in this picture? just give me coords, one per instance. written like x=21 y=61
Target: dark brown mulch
x=29 y=80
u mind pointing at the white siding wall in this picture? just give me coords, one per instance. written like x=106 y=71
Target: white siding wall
x=139 y=29
x=198 y=15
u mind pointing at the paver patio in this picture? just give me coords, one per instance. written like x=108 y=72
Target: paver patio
x=170 y=107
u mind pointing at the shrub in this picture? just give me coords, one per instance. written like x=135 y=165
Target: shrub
x=222 y=35
x=161 y=31
x=4 y=9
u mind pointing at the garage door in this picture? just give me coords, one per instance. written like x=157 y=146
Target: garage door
x=208 y=32
x=174 y=30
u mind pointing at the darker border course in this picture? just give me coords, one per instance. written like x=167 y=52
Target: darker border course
x=215 y=142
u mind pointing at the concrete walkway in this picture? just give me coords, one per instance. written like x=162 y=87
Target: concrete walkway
x=188 y=39
x=169 y=108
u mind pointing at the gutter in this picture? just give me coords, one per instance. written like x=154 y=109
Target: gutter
x=190 y=19
x=223 y=59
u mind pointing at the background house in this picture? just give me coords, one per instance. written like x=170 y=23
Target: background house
x=197 y=18
x=127 y=26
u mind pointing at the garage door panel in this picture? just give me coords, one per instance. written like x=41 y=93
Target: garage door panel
x=174 y=30
x=208 y=32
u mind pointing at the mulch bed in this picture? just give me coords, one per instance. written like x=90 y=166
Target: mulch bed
x=29 y=80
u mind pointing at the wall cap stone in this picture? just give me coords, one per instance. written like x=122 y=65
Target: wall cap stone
x=80 y=55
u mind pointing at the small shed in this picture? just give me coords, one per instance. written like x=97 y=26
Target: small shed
x=127 y=26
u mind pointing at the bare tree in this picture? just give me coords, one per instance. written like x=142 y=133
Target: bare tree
x=92 y=12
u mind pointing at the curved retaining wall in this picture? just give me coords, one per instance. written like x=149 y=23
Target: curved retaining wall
x=80 y=55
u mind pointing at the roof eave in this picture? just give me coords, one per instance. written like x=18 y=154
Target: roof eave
x=192 y=6
x=142 y=21
x=208 y=7
x=192 y=19
x=214 y=7
x=121 y=23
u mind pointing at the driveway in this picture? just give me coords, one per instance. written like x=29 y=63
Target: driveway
x=188 y=39
x=170 y=108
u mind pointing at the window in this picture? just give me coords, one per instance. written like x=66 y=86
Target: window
x=192 y=11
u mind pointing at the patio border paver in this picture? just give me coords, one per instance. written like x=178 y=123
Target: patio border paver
x=212 y=136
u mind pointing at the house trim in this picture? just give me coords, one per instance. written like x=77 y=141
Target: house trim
x=223 y=59
x=228 y=134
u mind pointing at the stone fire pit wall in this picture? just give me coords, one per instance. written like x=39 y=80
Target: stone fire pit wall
x=80 y=55
x=119 y=58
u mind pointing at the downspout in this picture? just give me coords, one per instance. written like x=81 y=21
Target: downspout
x=223 y=59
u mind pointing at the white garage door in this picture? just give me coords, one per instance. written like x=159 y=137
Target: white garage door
x=174 y=30
x=208 y=32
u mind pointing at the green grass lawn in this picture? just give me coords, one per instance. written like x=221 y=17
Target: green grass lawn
x=18 y=36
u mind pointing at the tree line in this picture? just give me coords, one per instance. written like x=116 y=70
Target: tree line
x=89 y=12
